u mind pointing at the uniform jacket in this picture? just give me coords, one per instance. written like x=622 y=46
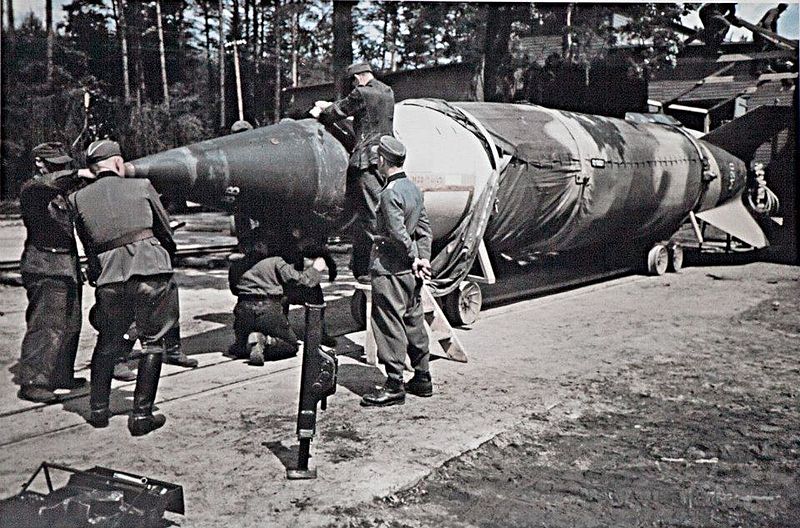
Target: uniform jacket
x=253 y=275
x=404 y=232
x=372 y=108
x=113 y=207
x=50 y=247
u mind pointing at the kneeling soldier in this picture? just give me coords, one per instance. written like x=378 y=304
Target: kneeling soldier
x=127 y=237
x=258 y=280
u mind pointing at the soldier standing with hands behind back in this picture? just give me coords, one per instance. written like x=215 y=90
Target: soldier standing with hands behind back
x=371 y=104
x=127 y=237
x=400 y=262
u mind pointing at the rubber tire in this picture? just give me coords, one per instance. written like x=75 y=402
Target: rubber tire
x=657 y=260
x=358 y=308
x=462 y=305
x=675 y=258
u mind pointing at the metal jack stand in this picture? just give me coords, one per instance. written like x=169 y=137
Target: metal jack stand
x=317 y=382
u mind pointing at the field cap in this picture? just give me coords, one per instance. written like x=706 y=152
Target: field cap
x=392 y=150
x=54 y=152
x=240 y=126
x=358 y=67
x=101 y=150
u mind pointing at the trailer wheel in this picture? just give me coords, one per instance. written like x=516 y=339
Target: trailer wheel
x=463 y=305
x=358 y=308
x=658 y=260
x=675 y=257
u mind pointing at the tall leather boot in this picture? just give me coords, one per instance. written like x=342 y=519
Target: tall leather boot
x=142 y=420
x=102 y=371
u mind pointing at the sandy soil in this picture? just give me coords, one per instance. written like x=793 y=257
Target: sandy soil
x=641 y=401
x=704 y=432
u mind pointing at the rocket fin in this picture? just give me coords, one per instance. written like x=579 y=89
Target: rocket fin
x=734 y=218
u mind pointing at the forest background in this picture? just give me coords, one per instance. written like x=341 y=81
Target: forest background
x=163 y=73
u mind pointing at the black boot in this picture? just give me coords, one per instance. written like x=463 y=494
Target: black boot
x=391 y=393
x=102 y=372
x=420 y=385
x=142 y=420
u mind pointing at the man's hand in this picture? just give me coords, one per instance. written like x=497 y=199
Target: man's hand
x=422 y=268
x=319 y=264
x=319 y=106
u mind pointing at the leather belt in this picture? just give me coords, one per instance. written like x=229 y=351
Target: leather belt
x=127 y=238
x=255 y=297
x=60 y=251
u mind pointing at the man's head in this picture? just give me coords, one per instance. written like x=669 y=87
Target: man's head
x=782 y=7
x=50 y=157
x=105 y=155
x=391 y=155
x=361 y=72
x=240 y=126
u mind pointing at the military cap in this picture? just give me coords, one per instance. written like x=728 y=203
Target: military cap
x=241 y=126
x=358 y=67
x=54 y=152
x=392 y=150
x=101 y=150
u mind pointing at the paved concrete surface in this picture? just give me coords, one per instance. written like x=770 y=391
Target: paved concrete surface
x=230 y=433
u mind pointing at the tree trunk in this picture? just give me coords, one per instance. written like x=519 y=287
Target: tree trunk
x=395 y=10
x=235 y=20
x=342 y=44
x=48 y=17
x=247 y=27
x=181 y=39
x=222 y=122
x=498 y=32
x=141 y=87
x=207 y=31
x=566 y=42
x=10 y=16
x=278 y=60
x=122 y=31
x=162 y=55
x=295 y=27
x=385 y=44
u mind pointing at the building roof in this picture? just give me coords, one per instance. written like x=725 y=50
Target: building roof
x=773 y=92
x=717 y=88
x=664 y=91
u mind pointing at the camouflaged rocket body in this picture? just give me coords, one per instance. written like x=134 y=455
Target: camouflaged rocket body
x=523 y=178
x=577 y=180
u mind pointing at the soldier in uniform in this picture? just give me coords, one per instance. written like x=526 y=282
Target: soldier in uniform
x=769 y=22
x=52 y=279
x=128 y=240
x=371 y=103
x=258 y=281
x=400 y=262
x=299 y=247
x=716 y=19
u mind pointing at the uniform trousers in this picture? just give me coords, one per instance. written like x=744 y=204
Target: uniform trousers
x=149 y=300
x=398 y=323
x=53 y=319
x=265 y=316
x=363 y=189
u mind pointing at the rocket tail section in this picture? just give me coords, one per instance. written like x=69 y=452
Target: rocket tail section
x=735 y=219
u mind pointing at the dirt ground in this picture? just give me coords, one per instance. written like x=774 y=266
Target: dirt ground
x=710 y=438
x=638 y=401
